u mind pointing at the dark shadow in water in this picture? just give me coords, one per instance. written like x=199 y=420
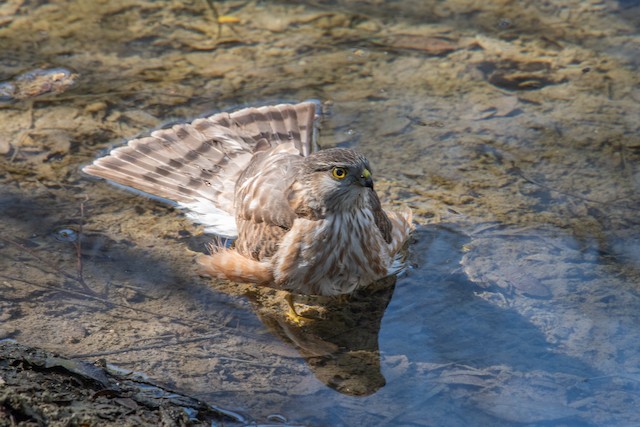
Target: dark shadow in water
x=341 y=348
x=50 y=225
x=106 y=271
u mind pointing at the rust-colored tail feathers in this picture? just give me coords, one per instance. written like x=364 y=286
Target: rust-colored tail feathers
x=225 y=263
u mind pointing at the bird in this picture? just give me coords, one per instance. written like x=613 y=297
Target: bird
x=301 y=219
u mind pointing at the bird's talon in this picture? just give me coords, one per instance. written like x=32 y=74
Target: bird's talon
x=293 y=314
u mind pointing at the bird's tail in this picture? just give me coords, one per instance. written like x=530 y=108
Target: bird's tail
x=227 y=263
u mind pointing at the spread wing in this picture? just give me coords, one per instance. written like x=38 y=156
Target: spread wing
x=198 y=164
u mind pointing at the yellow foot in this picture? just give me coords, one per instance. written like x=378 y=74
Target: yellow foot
x=292 y=314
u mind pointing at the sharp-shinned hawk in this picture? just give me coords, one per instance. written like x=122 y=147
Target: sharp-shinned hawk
x=307 y=221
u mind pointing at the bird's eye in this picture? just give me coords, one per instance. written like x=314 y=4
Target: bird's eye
x=339 y=173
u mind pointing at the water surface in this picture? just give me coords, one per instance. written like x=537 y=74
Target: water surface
x=511 y=129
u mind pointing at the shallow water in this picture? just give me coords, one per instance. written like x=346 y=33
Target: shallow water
x=511 y=129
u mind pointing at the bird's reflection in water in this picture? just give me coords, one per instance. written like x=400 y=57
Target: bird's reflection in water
x=337 y=338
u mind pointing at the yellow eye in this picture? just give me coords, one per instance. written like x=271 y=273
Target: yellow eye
x=339 y=173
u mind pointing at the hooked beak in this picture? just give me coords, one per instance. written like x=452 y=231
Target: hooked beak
x=365 y=179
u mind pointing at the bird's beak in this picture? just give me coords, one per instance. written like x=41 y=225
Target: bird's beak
x=365 y=179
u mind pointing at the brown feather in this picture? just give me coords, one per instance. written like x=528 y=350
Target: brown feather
x=381 y=219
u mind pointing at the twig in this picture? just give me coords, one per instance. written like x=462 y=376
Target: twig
x=78 y=245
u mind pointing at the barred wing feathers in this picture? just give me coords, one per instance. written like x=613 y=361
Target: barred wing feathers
x=197 y=164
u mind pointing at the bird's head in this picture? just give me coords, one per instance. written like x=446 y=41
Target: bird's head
x=340 y=179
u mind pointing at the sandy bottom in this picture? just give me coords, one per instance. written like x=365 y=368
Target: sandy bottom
x=510 y=129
